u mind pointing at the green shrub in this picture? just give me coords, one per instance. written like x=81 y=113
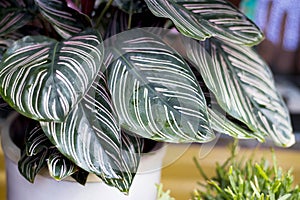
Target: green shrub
x=236 y=179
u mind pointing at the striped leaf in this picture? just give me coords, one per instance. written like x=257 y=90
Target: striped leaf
x=59 y=166
x=40 y=152
x=13 y=15
x=221 y=121
x=90 y=136
x=65 y=20
x=44 y=79
x=208 y=18
x=30 y=166
x=154 y=91
x=225 y=124
x=244 y=87
x=130 y=154
x=35 y=152
x=7 y=40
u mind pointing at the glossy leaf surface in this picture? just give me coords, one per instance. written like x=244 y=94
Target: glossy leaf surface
x=59 y=166
x=44 y=79
x=154 y=91
x=65 y=20
x=244 y=87
x=40 y=152
x=208 y=18
x=90 y=136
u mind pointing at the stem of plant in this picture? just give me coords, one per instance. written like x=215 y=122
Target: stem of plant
x=129 y=21
x=98 y=21
x=77 y=3
x=200 y=169
x=130 y=16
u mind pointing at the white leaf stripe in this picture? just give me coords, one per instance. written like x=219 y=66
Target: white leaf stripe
x=35 y=152
x=219 y=80
x=91 y=137
x=39 y=151
x=29 y=166
x=115 y=80
x=244 y=87
x=67 y=142
x=13 y=15
x=60 y=168
x=44 y=80
x=223 y=125
x=36 y=141
x=155 y=93
x=263 y=94
x=65 y=20
x=207 y=18
x=14 y=18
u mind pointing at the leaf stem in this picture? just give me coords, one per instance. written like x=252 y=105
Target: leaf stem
x=77 y=3
x=200 y=169
x=129 y=21
x=108 y=4
x=130 y=16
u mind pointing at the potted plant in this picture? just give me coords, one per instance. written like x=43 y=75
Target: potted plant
x=94 y=105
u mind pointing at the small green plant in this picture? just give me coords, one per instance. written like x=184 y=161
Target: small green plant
x=248 y=180
x=163 y=195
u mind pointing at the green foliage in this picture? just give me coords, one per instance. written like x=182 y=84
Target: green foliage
x=249 y=180
x=163 y=195
x=96 y=100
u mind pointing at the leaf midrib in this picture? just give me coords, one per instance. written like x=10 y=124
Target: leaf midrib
x=157 y=93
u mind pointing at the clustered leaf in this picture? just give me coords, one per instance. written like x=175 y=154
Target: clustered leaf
x=39 y=152
x=243 y=86
x=13 y=15
x=253 y=180
x=95 y=102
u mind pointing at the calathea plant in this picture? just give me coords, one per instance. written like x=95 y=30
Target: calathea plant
x=93 y=104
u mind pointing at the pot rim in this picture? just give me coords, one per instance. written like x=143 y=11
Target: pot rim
x=10 y=149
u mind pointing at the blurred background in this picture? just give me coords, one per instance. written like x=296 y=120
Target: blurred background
x=280 y=22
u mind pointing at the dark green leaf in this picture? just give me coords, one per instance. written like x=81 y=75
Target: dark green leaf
x=65 y=20
x=80 y=176
x=40 y=152
x=244 y=87
x=34 y=155
x=208 y=18
x=44 y=79
x=90 y=136
x=59 y=166
x=13 y=15
x=154 y=91
x=30 y=166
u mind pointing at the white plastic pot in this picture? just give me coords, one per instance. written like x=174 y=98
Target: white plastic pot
x=46 y=188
